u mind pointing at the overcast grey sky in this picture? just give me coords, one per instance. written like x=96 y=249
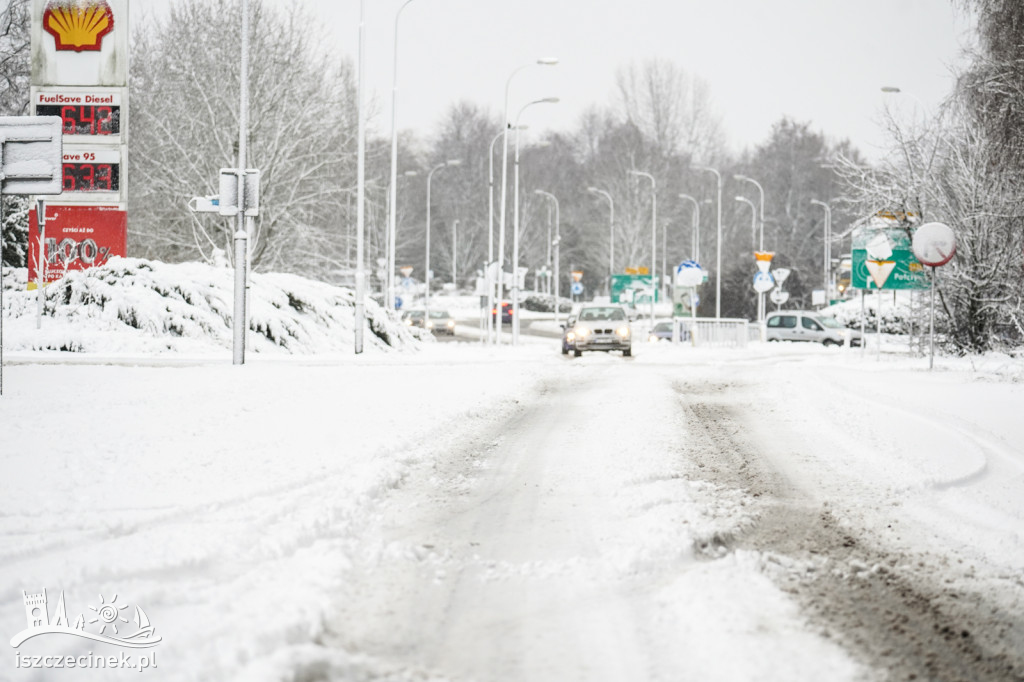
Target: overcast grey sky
x=821 y=61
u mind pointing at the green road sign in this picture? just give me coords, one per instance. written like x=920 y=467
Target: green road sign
x=885 y=255
x=632 y=289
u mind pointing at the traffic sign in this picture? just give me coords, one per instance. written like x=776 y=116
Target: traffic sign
x=780 y=275
x=406 y=271
x=398 y=302
x=779 y=296
x=577 y=275
x=764 y=260
x=689 y=274
x=763 y=282
x=934 y=244
x=577 y=288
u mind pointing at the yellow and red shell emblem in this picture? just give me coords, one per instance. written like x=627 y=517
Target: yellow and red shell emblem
x=78 y=25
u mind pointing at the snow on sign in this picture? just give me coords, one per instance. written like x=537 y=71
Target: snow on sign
x=77 y=237
x=31 y=159
x=763 y=282
x=934 y=244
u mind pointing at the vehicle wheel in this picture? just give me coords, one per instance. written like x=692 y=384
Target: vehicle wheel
x=576 y=353
x=565 y=350
x=628 y=353
x=829 y=342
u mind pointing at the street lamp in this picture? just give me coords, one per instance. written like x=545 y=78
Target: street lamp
x=555 y=242
x=695 y=244
x=389 y=299
x=828 y=245
x=426 y=263
x=718 y=259
x=360 y=307
x=611 y=233
x=654 y=236
x=545 y=61
x=490 y=230
x=760 y=189
x=515 y=220
x=753 y=218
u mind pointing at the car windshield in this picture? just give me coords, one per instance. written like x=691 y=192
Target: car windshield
x=593 y=314
x=663 y=327
x=829 y=322
x=414 y=314
x=438 y=314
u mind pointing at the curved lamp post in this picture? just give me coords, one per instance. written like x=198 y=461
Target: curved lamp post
x=611 y=233
x=490 y=230
x=828 y=246
x=426 y=260
x=654 y=236
x=546 y=61
x=389 y=299
x=718 y=258
x=695 y=243
x=555 y=243
x=515 y=219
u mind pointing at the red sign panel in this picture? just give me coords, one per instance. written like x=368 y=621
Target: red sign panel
x=77 y=237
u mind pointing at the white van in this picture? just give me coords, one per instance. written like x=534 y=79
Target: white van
x=804 y=325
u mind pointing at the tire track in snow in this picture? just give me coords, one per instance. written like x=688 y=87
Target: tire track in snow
x=895 y=619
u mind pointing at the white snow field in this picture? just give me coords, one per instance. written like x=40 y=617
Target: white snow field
x=463 y=512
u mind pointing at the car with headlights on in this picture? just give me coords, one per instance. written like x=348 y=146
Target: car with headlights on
x=600 y=328
x=438 y=322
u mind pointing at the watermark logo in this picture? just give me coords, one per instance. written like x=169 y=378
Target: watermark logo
x=109 y=621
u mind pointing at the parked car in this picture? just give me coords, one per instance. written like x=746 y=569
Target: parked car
x=804 y=325
x=439 y=322
x=506 y=312
x=599 y=327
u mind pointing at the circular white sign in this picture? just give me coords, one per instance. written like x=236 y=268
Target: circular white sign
x=934 y=244
x=689 y=276
x=779 y=296
x=763 y=282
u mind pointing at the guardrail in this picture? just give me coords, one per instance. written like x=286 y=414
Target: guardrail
x=705 y=332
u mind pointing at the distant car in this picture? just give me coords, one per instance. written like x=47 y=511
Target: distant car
x=804 y=325
x=599 y=327
x=662 y=332
x=506 y=312
x=440 y=322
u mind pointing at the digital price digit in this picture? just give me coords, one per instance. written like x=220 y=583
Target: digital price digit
x=92 y=177
x=87 y=119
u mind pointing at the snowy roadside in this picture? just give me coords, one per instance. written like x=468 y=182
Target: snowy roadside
x=222 y=499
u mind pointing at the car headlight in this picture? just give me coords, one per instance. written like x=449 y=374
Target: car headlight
x=451 y=324
x=581 y=332
x=408 y=322
x=623 y=332
x=652 y=338
x=570 y=336
x=430 y=325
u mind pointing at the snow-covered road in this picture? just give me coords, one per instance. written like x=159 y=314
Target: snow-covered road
x=464 y=513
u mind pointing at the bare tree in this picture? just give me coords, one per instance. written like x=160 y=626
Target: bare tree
x=185 y=127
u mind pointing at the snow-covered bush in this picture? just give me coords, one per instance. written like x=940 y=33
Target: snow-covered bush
x=138 y=305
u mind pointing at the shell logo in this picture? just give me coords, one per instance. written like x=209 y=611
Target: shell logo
x=78 y=25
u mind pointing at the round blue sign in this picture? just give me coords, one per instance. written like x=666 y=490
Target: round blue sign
x=577 y=288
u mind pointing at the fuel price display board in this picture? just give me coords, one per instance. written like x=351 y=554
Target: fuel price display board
x=82 y=113
x=92 y=170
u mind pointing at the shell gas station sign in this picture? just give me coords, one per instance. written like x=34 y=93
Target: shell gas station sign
x=80 y=73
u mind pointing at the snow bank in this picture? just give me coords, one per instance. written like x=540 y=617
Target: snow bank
x=132 y=305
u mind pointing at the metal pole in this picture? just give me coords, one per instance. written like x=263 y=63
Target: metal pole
x=490 y=236
x=611 y=234
x=455 y=251
x=718 y=259
x=931 y=322
x=426 y=255
x=389 y=297
x=360 y=311
x=41 y=263
x=555 y=243
x=1 y=269
x=515 y=240
x=241 y=238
